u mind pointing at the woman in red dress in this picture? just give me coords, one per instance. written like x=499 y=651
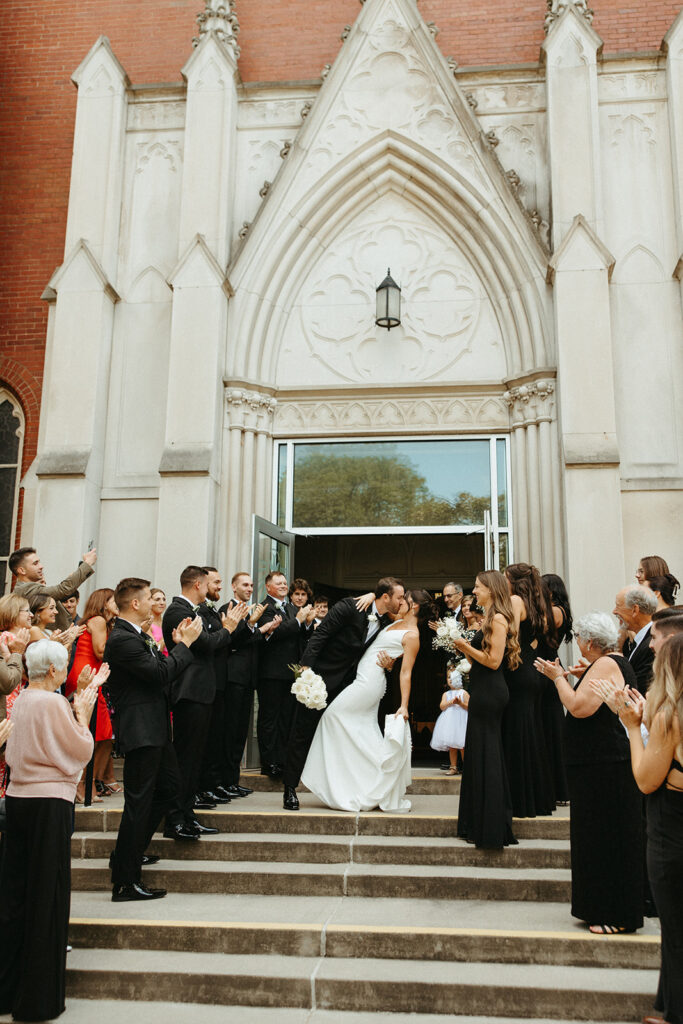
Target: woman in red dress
x=98 y=619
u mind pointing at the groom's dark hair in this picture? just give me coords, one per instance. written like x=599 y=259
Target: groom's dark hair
x=387 y=585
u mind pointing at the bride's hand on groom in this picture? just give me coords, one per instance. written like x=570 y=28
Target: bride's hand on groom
x=385 y=661
x=365 y=601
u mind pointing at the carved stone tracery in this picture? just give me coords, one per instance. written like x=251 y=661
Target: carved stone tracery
x=219 y=17
x=249 y=410
x=531 y=403
x=556 y=9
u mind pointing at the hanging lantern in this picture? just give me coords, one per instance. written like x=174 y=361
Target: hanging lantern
x=388 y=303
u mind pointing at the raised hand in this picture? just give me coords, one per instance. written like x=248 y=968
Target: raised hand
x=90 y=557
x=552 y=669
x=580 y=667
x=19 y=641
x=255 y=613
x=85 y=678
x=234 y=616
x=84 y=702
x=102 y=674
x=303 y=613
x=365 y=601
x=188 y=630
x=6 y=727
x=270 y=626
x=609 y=691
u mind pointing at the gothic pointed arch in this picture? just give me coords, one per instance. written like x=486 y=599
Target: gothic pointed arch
x=12 y=428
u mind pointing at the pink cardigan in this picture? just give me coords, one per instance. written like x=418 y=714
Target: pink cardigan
x=47 y=749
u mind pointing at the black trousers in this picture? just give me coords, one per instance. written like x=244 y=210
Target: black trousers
x=150 y=786
x=212 y=765
x=305 y=722
x=191 y=723
x=275 y=712
x=238 y=702
x=35 y=891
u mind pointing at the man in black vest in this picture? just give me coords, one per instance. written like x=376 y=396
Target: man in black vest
x=138 y=687
x=282 y=648
x=333 y=651
x=192 y=693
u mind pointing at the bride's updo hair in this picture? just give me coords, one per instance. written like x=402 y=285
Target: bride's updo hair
x=500 y=603
x=426 y=608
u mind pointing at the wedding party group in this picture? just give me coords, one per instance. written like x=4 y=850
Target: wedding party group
x=169 y=687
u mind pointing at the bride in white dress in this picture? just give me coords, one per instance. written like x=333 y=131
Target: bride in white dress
x=351 y=766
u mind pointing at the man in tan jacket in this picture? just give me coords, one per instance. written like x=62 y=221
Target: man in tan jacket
x=27 y=567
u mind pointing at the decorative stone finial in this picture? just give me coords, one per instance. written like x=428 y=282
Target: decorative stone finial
x=287 y=145
x=346 y=32
x=556 y=9
x=219 y=17
x=452 y=64
x=265 y=189
x=472 y=100
x=492 y=139
x=325 y=71
x=433 y=29
x=306 y=109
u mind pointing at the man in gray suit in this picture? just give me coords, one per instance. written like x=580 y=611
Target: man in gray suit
x=27 y=567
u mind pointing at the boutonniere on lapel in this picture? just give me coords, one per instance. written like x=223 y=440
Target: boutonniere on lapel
x=150 y=642
x=372 y=617
x=210 y=604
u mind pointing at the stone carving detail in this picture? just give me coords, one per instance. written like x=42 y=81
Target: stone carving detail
x=283 y=113
x=249 y=410
x=306 y=109
x=219 y=18
x=452 y=64
x=304 y=416
x=325 y=71
x=265 y=189
x=433 y=29
x=630 y=130
x=472 y=100
x=531 y=403
x=346 y=32
x=492 y=139
x=503 y=98
x=286 y=146
x=515 y=181
x=162 y=115
x=445 y=309
x=644 y=85
x=556 y=9
x=264 y=158
x=244 y=230
x=168 y=149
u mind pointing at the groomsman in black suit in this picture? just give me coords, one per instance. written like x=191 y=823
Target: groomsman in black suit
x=242 y=677
x=210 y=778
x=282 y=648
x=634 y=607
x=333 y=651
x=193 y=693
x=138 y=687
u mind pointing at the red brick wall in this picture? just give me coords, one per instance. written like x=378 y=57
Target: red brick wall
x=42 y=43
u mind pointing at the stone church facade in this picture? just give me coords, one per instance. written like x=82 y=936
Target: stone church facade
x=214 y=314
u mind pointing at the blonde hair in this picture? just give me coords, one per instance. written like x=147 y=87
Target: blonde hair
x=11 y=605
x=500 y=604
x=665 y=693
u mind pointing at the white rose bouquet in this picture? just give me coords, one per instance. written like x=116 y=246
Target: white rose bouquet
x=447 y=631
x=309 y=688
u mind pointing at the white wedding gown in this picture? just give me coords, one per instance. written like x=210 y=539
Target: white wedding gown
x=350 y=765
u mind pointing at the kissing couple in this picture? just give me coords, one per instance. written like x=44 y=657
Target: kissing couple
x=340 y=753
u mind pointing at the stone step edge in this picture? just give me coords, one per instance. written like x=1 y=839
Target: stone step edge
x=374 y=941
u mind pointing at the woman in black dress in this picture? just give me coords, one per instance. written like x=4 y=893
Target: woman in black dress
x=485 y=812
x=606 y=819
x=658 y=771
x=552 y=711
x=526 y=756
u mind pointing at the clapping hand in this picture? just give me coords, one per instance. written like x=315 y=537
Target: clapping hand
x=85 y=678
x=552 y=669
x=580 y=667
x=19 y=641
x=609 y=691
x=270 y=626
x=255 y=613
x=84 y=702
x=365 y=601
x=234 y=616
x=187 y=631
x=303 y=613
x=6 y=727
x=102 y=674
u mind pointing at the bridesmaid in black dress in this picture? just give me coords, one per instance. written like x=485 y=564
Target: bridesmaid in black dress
x=605 y=828
x=552 y=712
x=485 y=812
x=658 y=771
x=526 y=756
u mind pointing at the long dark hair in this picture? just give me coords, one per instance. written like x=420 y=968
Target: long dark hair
x=559 y=598
x=525 y=581
x=667 y=587
x=500 y=604
x=426 y=608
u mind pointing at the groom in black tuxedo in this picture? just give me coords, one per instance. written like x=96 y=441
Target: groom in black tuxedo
x=333 y=651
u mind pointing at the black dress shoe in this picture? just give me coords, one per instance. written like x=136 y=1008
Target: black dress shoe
x=135 y=891
x=273 y=771
x=204 y=830
x=222 y=791
x=290 y=801
x=210 y=796
x=149 y=858
x=203 y=805
x=181 y=831
x=237 y=791
x=244 y=790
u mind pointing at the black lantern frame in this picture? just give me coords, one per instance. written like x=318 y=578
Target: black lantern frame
x=388 y=307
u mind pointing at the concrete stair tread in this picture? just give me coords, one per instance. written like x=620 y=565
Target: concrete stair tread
x=302 y=868
x=362 y=970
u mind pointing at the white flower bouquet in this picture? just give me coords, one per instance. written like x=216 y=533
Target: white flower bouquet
x=447 y=631
x=309 y=688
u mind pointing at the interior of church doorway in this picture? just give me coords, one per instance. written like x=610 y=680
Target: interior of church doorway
x=344 y=565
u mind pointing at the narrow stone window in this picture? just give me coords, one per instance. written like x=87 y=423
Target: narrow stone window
x=11 y=445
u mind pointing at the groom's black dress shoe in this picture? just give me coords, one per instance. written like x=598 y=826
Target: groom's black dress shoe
x=135 y=891
x=181 y=831
x=290 y=801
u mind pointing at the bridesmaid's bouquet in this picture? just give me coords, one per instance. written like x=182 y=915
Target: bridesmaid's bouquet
x=309 y=688
x=447 y=631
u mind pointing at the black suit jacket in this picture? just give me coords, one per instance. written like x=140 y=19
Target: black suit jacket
x=242 y=665
x=338 y=644
x=212 y=623
x=198 y=682
x=282 y=647
x=641 y=660
x=138 y=686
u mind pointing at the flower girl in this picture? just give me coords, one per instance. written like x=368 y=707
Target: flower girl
x=451 y=725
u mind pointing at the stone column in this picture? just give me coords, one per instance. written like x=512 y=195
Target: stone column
x=673 y=47
x=580 y=271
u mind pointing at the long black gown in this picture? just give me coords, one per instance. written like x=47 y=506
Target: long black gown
x=665 y=870
x=526 y=757
x=485 y=813
x=605 y=827
x=552 y=724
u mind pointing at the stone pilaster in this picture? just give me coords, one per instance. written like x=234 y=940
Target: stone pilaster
x=673 y=47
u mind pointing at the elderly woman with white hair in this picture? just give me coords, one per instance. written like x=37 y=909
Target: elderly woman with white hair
x=48 y=746
x=606 y=821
